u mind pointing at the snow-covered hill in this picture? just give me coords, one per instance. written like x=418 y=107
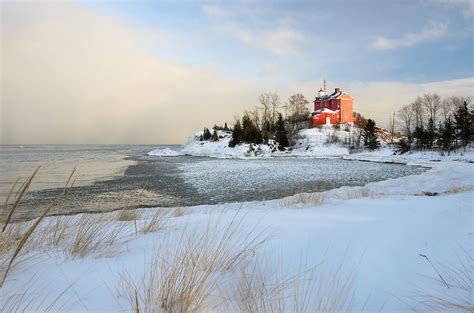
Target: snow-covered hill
x=221 y=149
x=327 y=141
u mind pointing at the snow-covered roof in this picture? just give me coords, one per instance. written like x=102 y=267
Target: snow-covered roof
x=325 y=110
x=334 y=95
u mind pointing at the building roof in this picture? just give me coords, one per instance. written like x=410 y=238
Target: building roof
x=325 y=110
x=334 y=95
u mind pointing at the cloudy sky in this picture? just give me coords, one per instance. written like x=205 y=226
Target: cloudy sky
x=153 y=72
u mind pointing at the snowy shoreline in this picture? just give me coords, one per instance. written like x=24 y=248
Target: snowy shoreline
x=378 y=230
x=312 y=143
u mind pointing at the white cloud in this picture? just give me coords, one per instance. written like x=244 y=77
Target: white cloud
x=435 y=30
x=212 y=10
x=467 y=6
x=269 y=69
x=70 y=75
x=283 y=40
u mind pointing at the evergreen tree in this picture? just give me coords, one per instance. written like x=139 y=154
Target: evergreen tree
x=251 y=133
x=206 y=134
x=430 y=134
x=237 y=135
x=214 y=136
x=225 y=126
x=463 y=122
x=369 y=135
x=447 y=135
x=421 y=137
x=402 y=146
x=280 y=136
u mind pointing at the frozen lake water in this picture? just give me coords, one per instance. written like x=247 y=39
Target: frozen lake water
x=114 y=177
x=233 y=180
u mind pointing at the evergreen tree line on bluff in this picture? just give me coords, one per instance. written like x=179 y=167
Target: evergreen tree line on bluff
x=430 y=122
x=269 y=120
x=272 y=119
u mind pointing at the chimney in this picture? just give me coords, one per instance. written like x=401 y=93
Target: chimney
x=337 y=90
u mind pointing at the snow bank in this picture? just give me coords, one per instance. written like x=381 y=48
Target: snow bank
x=165 y=152
x=422 y=158
x=380 y=235
x=311 y=143
x=321 y=142
x=221 y=149
x=326 y=141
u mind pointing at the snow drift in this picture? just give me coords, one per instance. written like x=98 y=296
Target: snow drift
x=326 y=141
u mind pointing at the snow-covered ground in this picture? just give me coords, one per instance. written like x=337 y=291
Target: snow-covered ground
x=221 y=149
x=377 y=232
x=165 y=152
x=311 y=143
x=316 y=142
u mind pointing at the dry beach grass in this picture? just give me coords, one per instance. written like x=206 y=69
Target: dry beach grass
x=214 y=265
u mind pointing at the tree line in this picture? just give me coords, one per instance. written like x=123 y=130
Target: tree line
x=272 y=119
x=430 y=122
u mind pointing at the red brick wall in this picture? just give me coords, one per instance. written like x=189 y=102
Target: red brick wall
x=332 y=104
x=346 y=109
x=321 y=119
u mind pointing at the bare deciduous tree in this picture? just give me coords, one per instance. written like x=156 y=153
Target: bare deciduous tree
x=275 y=105
x=265 y=107
x=297 y=106
x=406 y=117
x=418 y=111
x=432 y=105
x=449 y=105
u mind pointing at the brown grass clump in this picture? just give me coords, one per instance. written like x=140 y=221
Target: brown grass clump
x=155 y=223
x=94 y=234
x=453 y=287
x=178 y=212
x=261 y=289
x=9 y=242
x=18 y=197
x=182 y=276
x=35 y=224
x=305 y=199
x=55 y=231
x=459 y=189
x=356 y=193
x=127 y=215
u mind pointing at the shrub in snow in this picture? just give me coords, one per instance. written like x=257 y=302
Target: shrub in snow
x=237 y=135
x=206 y=134
x=214 y=136
x=251 y=133
x=280 y=136
x=369 y=135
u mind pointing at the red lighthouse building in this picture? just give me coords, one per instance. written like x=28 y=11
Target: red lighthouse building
x=335 y=108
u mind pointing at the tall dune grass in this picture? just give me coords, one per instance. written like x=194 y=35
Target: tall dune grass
x=94 y=234
x=35 y=224
x=154 y=223
x=186 y=273
x=314 y=199
x=453 y=286
x=262 y=288
x=183 y=274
